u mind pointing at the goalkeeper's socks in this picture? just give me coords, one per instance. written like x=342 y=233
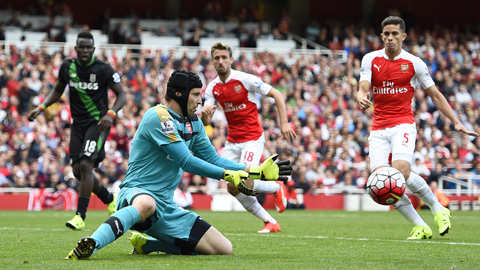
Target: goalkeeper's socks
x=105 y=196
x=115 y=226
x=265 y=186
x=405 y=207
x=82 y=206
x=156 y=245
x=420 y=188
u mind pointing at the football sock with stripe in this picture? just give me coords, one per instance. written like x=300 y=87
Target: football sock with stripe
x=420 y=188
x=405 y=207
x=251 y=204
x=155 y=245
x=104 y=195
x=115 y=226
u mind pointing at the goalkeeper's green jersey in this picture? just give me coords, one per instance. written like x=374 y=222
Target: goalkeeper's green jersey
x=162 y=149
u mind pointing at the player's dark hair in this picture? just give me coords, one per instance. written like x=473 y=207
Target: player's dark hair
x=182 y=81
x=221 y=46
x=394 y=20
x=86 y=35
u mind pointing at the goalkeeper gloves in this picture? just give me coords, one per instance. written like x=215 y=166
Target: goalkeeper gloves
x=271 y=170
x=238 y=179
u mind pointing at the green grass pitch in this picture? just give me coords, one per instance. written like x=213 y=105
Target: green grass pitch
x=309 y=240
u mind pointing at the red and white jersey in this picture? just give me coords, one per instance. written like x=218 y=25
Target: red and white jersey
x=237 y=97
x=393 y=84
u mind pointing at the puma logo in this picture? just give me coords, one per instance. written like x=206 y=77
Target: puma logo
x=377 y=67
x=119 y=231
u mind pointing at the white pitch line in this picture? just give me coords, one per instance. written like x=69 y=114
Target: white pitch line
x=289 y=236
x=361 y=239
x=36 y=229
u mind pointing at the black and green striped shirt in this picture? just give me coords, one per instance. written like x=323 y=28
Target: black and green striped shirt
x=88 y=88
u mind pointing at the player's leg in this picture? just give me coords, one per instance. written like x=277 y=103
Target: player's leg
x=97 y=154
x=402 y=140
x=85 y=156
x=420 y=188
x=236 y=152
x=142 y=207
x=197 y=238
x=76 y=145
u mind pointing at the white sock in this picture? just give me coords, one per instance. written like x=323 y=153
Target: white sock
x=251 y=204
x=265 y=186
x=420 y=188
x=405 y=207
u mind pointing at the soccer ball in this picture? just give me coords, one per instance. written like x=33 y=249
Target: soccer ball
x=386 y=185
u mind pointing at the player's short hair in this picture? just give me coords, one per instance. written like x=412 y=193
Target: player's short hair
x=394 y=20
x=221 y=46
x=86 y=35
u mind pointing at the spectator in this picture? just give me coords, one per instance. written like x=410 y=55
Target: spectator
x=119 y=35
x=292 y=197
x=182 y=196
x=252 y=39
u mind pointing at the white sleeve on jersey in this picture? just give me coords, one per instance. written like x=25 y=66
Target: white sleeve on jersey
x=209 y=98
x=422 y=74
x=366 y=68
x=255 y=84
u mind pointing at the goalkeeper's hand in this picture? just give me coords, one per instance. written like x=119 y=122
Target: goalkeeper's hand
x=238 y=179
x=270 y=170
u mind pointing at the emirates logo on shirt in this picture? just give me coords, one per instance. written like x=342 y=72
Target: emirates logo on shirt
x=237 y=88
x=404 y=68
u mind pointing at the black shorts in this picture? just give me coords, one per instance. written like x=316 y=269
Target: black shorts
x=87 y=142
x=200 y=227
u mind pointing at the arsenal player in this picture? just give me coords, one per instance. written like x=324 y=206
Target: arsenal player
x=391 y=75
x=236 y=92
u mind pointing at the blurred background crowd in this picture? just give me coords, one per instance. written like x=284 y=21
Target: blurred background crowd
x=331 y=148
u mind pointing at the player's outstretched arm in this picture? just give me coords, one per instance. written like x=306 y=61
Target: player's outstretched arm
x=287 y=133
x=51 y=98
x=271 y=170
x=442 y=104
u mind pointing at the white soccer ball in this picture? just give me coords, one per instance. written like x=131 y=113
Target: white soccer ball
x=386 y=185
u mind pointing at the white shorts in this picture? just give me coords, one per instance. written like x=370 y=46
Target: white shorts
x=248 y=153
x=398 y=141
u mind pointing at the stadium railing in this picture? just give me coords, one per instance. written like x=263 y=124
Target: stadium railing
x=464 y=185
x=120 y=50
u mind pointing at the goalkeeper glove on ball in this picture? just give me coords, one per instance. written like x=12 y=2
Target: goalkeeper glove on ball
x=238 y=179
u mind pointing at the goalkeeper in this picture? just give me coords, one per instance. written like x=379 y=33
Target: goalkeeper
x=161 y=150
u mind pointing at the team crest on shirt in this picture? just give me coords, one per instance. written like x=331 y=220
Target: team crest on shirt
x=93 y=77
x=404 y=68
x=189 y=127
x=237 y=88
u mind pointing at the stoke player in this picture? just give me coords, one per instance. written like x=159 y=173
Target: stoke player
x=236 y=92
x=392 y=75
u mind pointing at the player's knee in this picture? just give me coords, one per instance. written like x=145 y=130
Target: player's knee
x=145 y=205
x=225 y=248
x=232 y=189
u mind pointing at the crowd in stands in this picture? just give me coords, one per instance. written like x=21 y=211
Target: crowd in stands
x=331 y=148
